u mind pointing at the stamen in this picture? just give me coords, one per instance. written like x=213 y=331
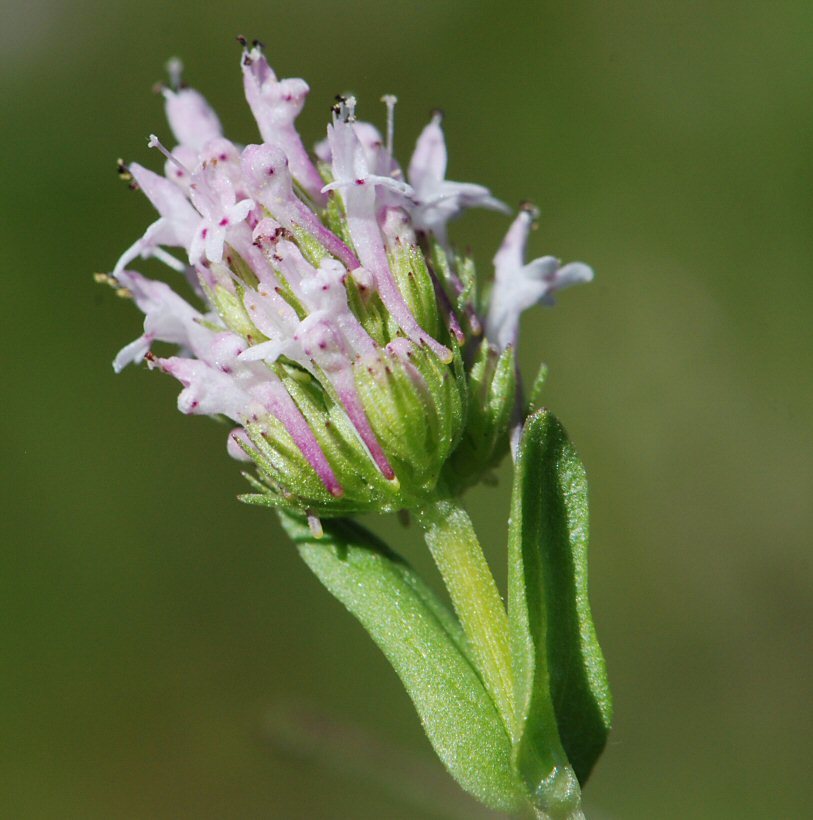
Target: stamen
x=106 y=279
x=154 y=142
x=530 y=209
x=111 y=281
x=175 y=71
x=344 y=109
x=123 y=171
x=390 y=100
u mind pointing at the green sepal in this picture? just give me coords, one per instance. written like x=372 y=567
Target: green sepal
x=240 y=267
x=457 y=276
x=283 y=468
x=286 y=477
x=468 y=277
x=303 y=194
x=416 y=410
x=365 y=488
x=325 y=170
x=311 y=248
x=232 y=311
x=415 y=407
x=285 y=290
x=492 y=398
x=535 y=393
x=369 y=310
x=562 y=696
x=409 y=268
x=425 y=645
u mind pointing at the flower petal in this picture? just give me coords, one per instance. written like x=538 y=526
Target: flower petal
x=191 y=118
x=428 y=163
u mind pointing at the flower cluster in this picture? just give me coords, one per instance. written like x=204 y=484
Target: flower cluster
x=341 y=333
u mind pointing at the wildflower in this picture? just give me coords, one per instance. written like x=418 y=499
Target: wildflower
x=438 y=200
x=518 y=286
x=338 y=321
x=343 y=338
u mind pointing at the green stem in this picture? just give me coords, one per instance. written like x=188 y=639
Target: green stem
x=459 y=557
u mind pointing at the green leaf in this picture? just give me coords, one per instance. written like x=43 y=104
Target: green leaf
x=425 y=645
x=558 y=661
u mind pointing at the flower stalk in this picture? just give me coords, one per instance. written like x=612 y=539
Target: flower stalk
x=456 y=550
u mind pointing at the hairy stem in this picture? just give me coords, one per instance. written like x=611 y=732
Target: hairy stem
x=457 y=552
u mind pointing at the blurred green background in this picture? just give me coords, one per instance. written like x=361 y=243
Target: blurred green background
x=153 y=630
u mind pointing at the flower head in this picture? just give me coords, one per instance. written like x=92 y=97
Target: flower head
x=340 y=332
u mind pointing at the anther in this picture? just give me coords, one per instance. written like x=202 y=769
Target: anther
x=123 y=171
x=111 y=281
x=345 y=108
x=529 y=208
x=336 y=108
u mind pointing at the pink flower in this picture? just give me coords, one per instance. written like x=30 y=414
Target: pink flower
x=309 y=341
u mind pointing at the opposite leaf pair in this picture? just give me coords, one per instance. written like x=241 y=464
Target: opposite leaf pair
x=559 y=698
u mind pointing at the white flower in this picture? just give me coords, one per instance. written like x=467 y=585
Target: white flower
x=436 y=199
x=518 y=286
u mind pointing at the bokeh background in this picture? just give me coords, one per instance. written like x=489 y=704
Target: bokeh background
x=164 y=653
